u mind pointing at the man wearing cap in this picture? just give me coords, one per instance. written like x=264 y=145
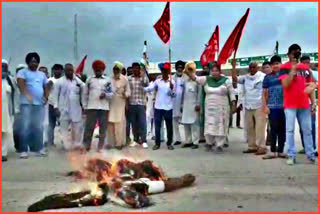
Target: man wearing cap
x=137 y=104
x=164 y=103
x=67 y=106
x=33 y=97
x=9 y=108
x=96 y=98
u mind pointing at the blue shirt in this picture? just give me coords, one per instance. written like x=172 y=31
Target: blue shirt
x=35 y=83
x=275 y=92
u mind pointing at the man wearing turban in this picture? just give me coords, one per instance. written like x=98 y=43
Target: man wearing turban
x=117 y=120
x=96 y=101
x=33 y=97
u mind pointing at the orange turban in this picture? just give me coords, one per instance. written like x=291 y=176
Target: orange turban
x=98 y=64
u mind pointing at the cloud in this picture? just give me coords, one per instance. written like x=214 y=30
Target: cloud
x=116 y=31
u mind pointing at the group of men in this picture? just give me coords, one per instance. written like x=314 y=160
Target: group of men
x=117 y=103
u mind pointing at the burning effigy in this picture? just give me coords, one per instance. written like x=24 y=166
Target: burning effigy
x=122 y=182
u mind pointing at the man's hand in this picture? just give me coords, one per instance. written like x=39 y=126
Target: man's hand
x=102 y=96
x=45 y=100
x=311 y=86
x=171 y=85
x=233 y=108
x=197 y=108
x=56 y=112
x=313 y=109
x=240 y=107
x=266 y=110
x=293 y=71
x=29 y=98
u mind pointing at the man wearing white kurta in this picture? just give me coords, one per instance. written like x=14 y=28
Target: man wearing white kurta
x=190 y=113
x=67 y=93
x=9 y=108
x=177 y=101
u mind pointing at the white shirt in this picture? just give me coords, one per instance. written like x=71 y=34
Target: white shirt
x=178 y=98
x=252 y=85
x=51 y=95
x=164 y=97
x=92 y=91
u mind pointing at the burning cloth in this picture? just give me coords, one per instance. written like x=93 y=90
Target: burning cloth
x=124 y=182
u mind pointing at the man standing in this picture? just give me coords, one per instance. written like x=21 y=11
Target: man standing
x=96 y=98
x=190 y=109
x=57 y=70
x=176 y=113
x=137 y=105
x=117 y=120
x=255 y=117
x=266 y=69
x=9 y=108
x=306 y=60
x=163 y=104
x=298 y=89
x=67 y=105
x=34 y=95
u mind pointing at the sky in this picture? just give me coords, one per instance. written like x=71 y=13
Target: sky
x=116 y=31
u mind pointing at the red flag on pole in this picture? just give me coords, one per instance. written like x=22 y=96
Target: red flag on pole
x=233 y=41
x=212 y=48
x=80 y=67
x=162 y=26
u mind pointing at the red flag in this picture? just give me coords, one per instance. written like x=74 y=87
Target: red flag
x=209 y=53
x=162 y=26
x=80 y=67
x=233 y=41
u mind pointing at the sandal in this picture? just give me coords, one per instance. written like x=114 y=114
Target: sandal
x=269 y=157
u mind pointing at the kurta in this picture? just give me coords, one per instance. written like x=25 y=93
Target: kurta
x=116 y=131
x=7 y=116
x=118 y=102
x=217 y=107
x=177 y=100
x=67 y=96
x=191 y=98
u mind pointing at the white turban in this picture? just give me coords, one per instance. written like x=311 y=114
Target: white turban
x=21 y=66
x=4 y=61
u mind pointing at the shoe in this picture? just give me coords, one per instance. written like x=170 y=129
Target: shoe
x=187 y=145
x=24 y=155
x=301 y=151
x=261 y=152
x=153 y=138
x=202 y=141
x=311 y=160
x=177 y=143
x=195 y=147
x=133 y=144
x=219 y=149
x=239 y=127
x=248 y=151
x=118 y=147
x=145 y=145
x=225 y=145
x=4 y=159
x=170 y=147
x=108 y=147
x=42 y=153
x=291 y=161
x=155 y=147
x=208 y=148
x=316 y=154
